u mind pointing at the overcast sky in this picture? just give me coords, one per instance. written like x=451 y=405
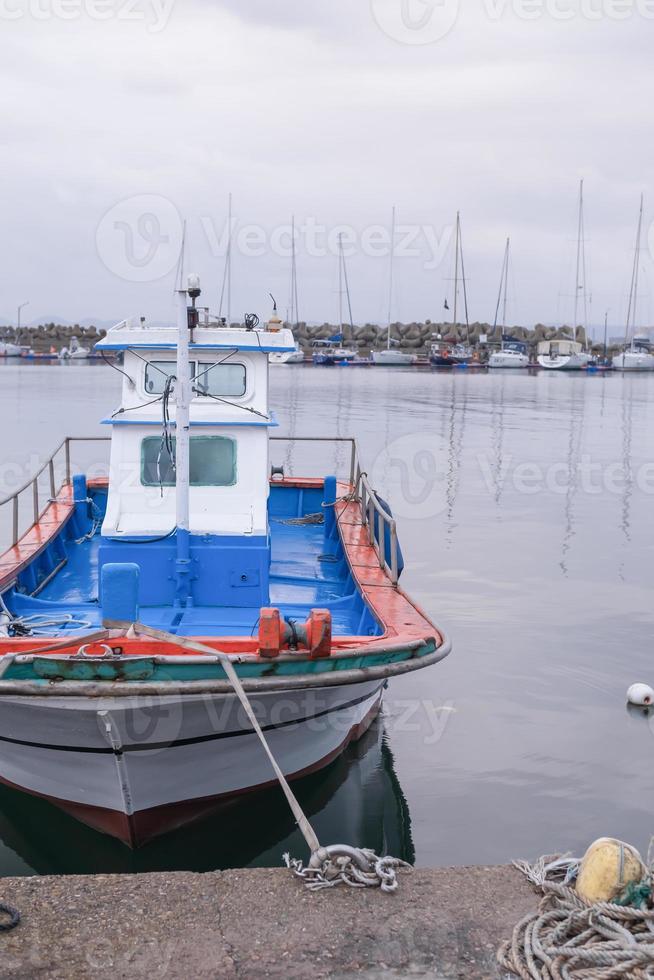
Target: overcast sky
x=122 y=118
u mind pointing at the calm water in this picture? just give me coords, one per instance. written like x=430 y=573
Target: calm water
x=524 y=507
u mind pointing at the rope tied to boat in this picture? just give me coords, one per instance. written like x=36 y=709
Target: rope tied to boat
x=568 y=938
x=340 y=864
x=328 y=866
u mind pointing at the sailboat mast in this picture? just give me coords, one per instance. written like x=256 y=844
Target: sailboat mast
x=295 y=300
x=340 y=284
x=229 y=263
x=390 y=281
x=506 y=286
x=637 y=268
x=456 y=267
x=294 y=316
x=503 y=290
x=580 y=227
x=347 y=294
x=465 y=288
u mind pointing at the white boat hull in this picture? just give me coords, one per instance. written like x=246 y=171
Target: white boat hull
x=9 y=350
x=136 y=768
x=565 y=362
x=508 y=359
x=287 y=357
x=393 y=358
x=634 y=361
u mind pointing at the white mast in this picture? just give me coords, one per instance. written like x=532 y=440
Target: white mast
x=633 y=292
x=504 y=276
x=295 y=316
x=390 y=280
x=456 y=267
x=579 y=285
x=340 y=286
x=227 y=273
x=506 y=286
x=229 y=263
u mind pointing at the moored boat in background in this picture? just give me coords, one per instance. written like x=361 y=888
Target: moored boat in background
x=569 y=355
x=637 y=355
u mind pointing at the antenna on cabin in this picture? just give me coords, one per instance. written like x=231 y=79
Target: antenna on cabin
x=274 y=302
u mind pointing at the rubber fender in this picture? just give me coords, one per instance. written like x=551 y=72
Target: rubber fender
x=607 y=867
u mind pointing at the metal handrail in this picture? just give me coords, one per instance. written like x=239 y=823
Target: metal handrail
x=362 y=492
x=352 y=443
x=371 y=506
x=33 y=484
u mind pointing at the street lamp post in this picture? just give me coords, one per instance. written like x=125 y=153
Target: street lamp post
x=26 y=303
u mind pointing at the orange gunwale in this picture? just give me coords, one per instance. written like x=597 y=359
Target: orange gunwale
x=401 y=618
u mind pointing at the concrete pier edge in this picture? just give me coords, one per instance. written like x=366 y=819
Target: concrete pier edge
x=262 y=923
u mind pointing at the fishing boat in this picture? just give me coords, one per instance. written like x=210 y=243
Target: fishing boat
x=564 y=354
x=636 y=355
x=134 y=605
x=455 y=354
x=512 y=352
x=76 y=352
x=390 y=356
x=331 y=351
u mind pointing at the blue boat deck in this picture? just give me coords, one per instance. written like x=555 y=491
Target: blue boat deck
x=308 y=570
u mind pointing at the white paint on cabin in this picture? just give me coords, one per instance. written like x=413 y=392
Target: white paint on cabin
x=232 y=365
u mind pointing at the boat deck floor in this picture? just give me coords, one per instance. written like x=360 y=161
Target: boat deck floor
x=306 y=572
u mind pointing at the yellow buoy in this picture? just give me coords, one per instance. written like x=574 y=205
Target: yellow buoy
x=606 y=868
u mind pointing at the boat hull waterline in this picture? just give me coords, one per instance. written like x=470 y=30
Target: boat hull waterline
x=137 y=769
x=136 y=758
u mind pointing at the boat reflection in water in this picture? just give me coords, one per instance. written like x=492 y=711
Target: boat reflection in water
x=356 y=800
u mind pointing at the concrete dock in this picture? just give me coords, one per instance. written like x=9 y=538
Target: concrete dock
x=253 y=924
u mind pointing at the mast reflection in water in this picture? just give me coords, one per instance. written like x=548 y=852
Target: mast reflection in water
x=356 y=800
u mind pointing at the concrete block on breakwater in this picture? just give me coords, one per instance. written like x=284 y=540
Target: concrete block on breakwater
x=441 y=924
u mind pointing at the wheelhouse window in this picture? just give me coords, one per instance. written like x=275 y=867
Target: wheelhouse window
x=209 y=380
x=157 y=373
x=212 y=462
x=220 y=380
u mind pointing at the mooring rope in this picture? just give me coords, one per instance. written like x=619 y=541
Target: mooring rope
x=568 y=938
x=328 y=866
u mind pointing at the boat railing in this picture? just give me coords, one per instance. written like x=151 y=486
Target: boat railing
x=50 y=474
x=380 y=525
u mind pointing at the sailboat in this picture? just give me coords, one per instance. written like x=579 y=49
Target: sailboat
x=443 y=354
x=636 y=355
x=295 y=356
x=332 y=351
x=389 y=355
x=568 y=355
x=512 y=353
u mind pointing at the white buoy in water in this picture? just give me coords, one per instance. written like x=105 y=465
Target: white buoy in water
x=641 y=695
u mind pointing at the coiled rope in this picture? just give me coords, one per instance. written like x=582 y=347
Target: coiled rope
x=568 y=938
